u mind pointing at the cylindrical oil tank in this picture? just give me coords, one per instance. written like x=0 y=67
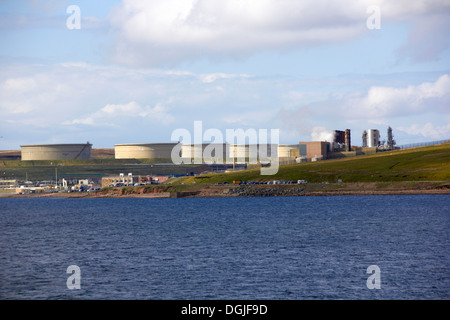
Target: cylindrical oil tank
x=209 y=153
x=373 y=138
x=56 y=151
x=144 y=150
x=187 y=151
x=192 y=151
x=254 y=152
x=288 y=150
x=215 y=152
x=241 y=151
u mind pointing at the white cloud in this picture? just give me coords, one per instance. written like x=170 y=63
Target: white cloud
x=377 y=106
x=91 y=101
x=115 y=110
x=158 y=113
x=169 y=31
x=428 y=39
x=254 y=119
x=22 y=94
x=211 y=77
x=153 y=32
x=383 y=102
x=79 y=93
x=428 y=130
x=20 y=84
x=116 y=114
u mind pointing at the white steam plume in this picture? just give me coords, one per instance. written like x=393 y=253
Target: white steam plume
x=321 y=134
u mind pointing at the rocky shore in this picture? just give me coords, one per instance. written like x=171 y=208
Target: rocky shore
x=249 y=191
x=257 y=191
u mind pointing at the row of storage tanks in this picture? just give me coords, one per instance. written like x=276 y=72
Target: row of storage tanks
x=208 y=152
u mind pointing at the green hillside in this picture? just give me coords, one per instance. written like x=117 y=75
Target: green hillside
x=431 y=163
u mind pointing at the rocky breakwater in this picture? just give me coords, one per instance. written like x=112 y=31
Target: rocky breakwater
x=254 y=191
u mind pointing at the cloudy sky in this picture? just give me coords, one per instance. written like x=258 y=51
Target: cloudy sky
x=135 y=71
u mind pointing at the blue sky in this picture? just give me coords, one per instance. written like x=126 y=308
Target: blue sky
x=137 y=70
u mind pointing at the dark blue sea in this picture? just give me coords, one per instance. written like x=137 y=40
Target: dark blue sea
x=289 y=248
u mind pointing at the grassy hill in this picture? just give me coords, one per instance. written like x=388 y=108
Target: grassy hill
x=431 y=163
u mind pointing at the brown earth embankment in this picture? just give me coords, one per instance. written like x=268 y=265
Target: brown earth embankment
x=260 y=190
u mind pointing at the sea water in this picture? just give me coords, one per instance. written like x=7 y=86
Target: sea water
x=290 y=248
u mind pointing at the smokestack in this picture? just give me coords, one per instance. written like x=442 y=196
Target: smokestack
x=348 y=146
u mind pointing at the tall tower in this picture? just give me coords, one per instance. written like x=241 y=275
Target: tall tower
x=348 y=146
x=390 y=138
x=364 y=139
x=373 y=138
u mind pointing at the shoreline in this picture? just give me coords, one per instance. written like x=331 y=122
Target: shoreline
x=349 y=189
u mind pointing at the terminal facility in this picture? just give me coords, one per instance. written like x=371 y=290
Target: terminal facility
x=303 y=151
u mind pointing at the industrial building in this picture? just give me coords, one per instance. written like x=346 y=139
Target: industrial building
x=56 y=151
x=130 y=179
x=144 y=150
x=12 y=183
x=373 y=138
x=316 y=150
x=341 y=140
x=338 y=137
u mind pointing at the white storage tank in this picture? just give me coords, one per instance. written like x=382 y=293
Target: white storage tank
x=373 y=138
x=144 y=151
x=289 y=150
x=208 y=153
x=56 y=151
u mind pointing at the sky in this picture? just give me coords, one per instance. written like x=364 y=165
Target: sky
x=112 y=72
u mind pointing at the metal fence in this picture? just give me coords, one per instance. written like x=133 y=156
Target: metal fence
x=421 y=144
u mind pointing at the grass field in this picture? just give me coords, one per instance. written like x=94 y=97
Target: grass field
x=431 y=163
